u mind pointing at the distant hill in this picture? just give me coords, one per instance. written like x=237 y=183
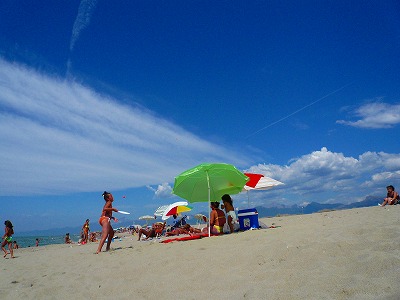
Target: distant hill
x=314 y=207
x=263 y=212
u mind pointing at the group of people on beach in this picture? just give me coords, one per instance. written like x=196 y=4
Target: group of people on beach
x=217 y=221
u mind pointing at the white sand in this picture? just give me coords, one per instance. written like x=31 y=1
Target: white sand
x=349 y=254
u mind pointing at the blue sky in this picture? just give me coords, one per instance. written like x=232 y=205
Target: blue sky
x=97 y=95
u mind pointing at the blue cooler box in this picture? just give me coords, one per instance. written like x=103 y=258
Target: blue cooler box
x=248 y=219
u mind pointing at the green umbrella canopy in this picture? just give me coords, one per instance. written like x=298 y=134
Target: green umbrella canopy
x=208 y=182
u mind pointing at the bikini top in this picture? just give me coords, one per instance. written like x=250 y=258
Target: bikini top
x=220 y=216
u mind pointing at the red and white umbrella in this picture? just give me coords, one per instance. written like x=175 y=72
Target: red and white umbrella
x=259 y=182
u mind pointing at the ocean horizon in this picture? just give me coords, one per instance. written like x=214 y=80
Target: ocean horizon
x=44 y=240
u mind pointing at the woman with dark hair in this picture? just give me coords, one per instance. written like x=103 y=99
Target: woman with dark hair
x=7 y=238
x=107 y=232
x=230 y=211
x=217 y=219
x=392 y=197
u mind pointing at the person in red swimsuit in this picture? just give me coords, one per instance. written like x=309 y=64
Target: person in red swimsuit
x=107 y=232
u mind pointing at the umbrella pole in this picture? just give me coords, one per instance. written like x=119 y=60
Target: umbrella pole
x=209 y=203
x=248 y=200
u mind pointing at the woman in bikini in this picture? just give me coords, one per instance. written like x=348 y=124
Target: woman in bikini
x=7 y=238
x=217 y=219
x=85 y=230
x=107 y=232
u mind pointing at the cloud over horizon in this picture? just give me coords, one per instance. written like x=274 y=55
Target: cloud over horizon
x=326 y=176
x=59 y=136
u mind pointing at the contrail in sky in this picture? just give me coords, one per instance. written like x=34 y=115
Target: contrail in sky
x=82 y=20
x=299 y=110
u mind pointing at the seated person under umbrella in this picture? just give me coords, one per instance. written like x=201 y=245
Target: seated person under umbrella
x=179 y=223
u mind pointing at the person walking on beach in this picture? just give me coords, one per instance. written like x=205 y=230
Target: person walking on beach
x=85 y=230
x=37 y=243
x=230 y=211
x=7 y=238
x=107 y=232
x=392 y=197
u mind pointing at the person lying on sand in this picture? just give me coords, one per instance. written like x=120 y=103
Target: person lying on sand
x=156 y=230
x=186 y=229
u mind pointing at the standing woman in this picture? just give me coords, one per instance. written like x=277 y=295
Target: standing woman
x=7 y=238
x=85 y=230
x=107 y=232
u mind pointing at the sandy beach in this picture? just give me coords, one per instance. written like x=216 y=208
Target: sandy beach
x=348 y=254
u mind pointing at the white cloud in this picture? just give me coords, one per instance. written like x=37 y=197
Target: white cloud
x=163 y=191
x=375 y=115
x=58 y=136
x=325 y=176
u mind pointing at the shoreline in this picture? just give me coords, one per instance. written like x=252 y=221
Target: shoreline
x=343 y=254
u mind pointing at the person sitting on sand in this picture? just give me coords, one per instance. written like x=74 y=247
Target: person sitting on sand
x=156 y=230
x=92 y=237
x=107 y=232
x=7 y=238
x=392 y=197
x=179 y=223
x=67 y=239
x=15 y=245
x=217 y=219
x=230 y=211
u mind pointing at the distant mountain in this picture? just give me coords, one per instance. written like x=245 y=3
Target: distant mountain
x=314 y=207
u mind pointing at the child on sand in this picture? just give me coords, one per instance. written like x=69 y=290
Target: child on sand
x=7 y=238
x=67 y=239
x=107 y=232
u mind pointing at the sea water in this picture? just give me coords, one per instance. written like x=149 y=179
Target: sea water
x=30 y=241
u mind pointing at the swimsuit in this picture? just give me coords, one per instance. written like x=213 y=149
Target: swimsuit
x=232 y=214
x=102 y=218
x=219 y=229
x=220 y=216
x=8 y=239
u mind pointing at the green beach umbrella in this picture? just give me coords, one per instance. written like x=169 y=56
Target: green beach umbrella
x=208 y=182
